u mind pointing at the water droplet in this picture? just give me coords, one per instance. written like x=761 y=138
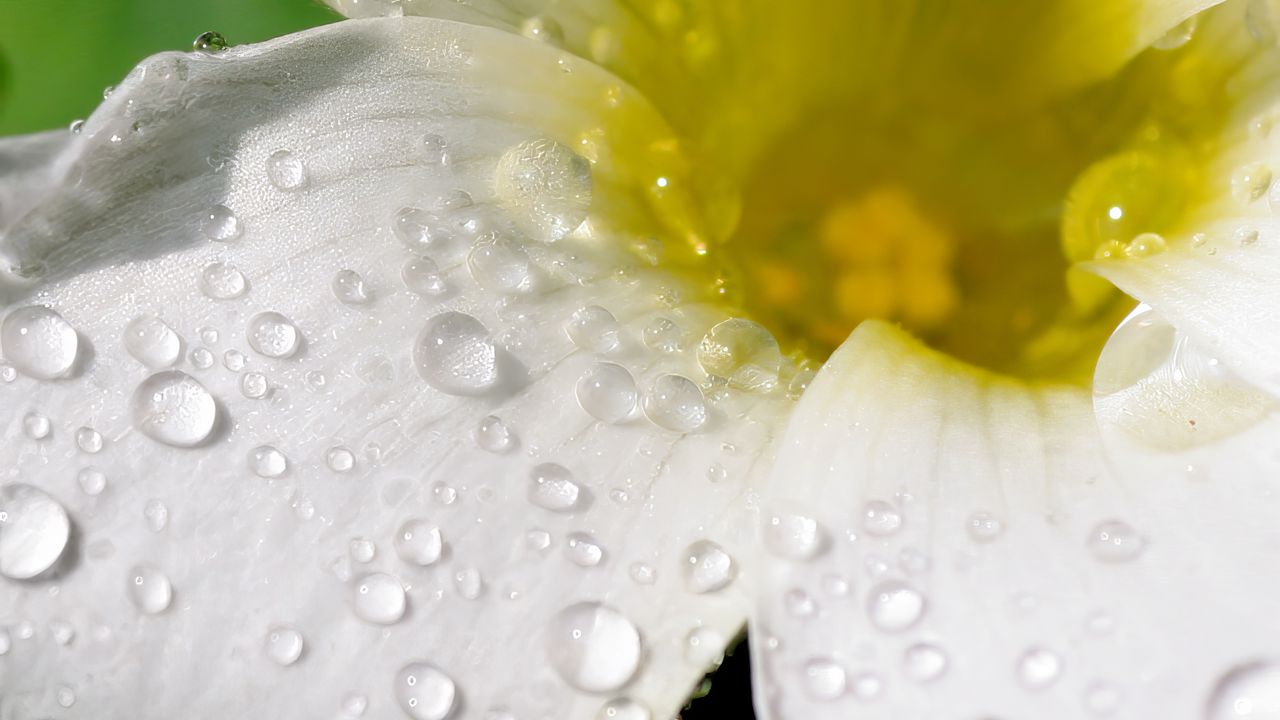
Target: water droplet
x=66 y=696
x=222 y=281
x=1102 y=699
x=537 y=540
x=151 y=342
x=434 y=150
x=88 y=440
x=983 y=527
x=209 y=41
x=340 y=459
x=708 y=567
x=34 y=530
x=253 y=385
x=201 y=358
x=8 y=373
x=92 y=481
x=1120 y=197
x=704 y=647
x=1251 y=690
x=267 y=462
x=157 y=515
x=607 y=392
x=362 y=550
x=593 y=647
x=1250 y=182
x=173 y=408
x=663 y=335
x=594 y=329
x=742 y=352
x=880 y=518
x=63 y=632
x=444 y=494
x=39 y=343
x=546 y=186
x=286 y=171
x=500 y=265
x=553 y=488
x=792 y=536
x=924 y=662
x=493 y=435
x=425 y=692
x=273 y=335
x=354 y=705
x=544 y=29
x=642 y=573
x=1178 y=35
x=584 y=550
x=799 y=603
x=234 y=360
x=624 y=709
x=675 y=403
x=824 y=679
x=469 y=583
x=455 y=355
x=1115 y=541
x=379 y=598
x=150 y=589
x=36 y=426
x=419 y=230
x=894 y=606
x=220 y=224
x=283 y=645
x=422 y=276
x=866 y=686
x=1038 y=668
x=350 y=289
x=418 y=542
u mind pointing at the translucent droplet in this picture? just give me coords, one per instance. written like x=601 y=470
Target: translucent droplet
x=1102 y=699
x=1178 y=35
x=444 y=493
x=340 y=459
x=537 y=540
x=354 y=705
x=1248 y=691
x=543 y=28
x=273 y=335
x=468 y=582
x=675 y=403
x=594 y=329
x=284 y=645
x=36 y=426
x=34 y=530
x=92 y=481
x=286 y=171
x=422 y=276
x=553 y=488
x=151 y=342
x=234 y=360
x=425 y=692
x=894 y=606
x=156 y=514
x=222 y=281
x=866 y=686
x=1038 y=668
x=253 y=385
x=150 y=589
x=220 y=224
x=624 y=709
x=379 y=598
x=924 y=662
x=792 y=536
x=209 y=41
x=663 y=335
x=39 y=343
x=583 y=550
x=546 y=186
x=455 y=355
x=704 y=647
x=708 y=567
x=983 y=527
x=1115 y=541
x=642 y=573
x=350 y=289
x=495 y=436
x=593 y=647
x=1250 y=182
x=267 y=462
x=201 y=359
x=88 y=440
x=418 y=542
x=362 y=550
x=607 y=392
x=63 y=632
x=743 y=352
x=500 y=265
x=66 y=696
x=799 y=604
x=880 y=518
x=173 y=408
x=824 y=679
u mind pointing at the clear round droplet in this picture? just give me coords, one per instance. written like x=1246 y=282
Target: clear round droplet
x=455 y=354
x=222 y=281
x=894 y=606
x=583 y=550
x=793 y=536
x=924 y=662
x=642 y=573
x=500 y=265
x=201 y=358
x=151 y=342
x=286 y=170
x=799 y=604
x=1115 y=541
x=422 y=276
x=349 y=288
x=1250 y=182
x=88 y=440
x=273 y=335
x=594 y=329
x=824 y=679
x=379 y=598
x=340 y=459
x=434 y=150
x=742 y=352
x=219 y=223
x=1251 y=690
x=209 y=41
x=495 y=436
x=425 y=692
x=552 y=487
x=675 y=403
x=150 y=589
x=880 y=518
x=253 y=385
x=267 y=462
x=36 y=426
x=156 y=514
x=1038 y=668
x=234 y=360
x=607 y=392
x=983 y=527
x=173 y=408
x=593 y=647
x=663 y=335
x=418 y=542
x=39 y=342
x=546 y=186
x=708 y=567
x=362 y=550
x=354 y=705
x=283 y=645
x=92 y=481
x=419 y=230
x=34 y=531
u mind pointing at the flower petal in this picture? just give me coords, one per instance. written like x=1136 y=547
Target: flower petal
x=292 y=423
x=982 y=548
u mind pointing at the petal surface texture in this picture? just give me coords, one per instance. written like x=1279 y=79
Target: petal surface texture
x=339 y=381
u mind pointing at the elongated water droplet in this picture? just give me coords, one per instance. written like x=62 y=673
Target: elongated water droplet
x=209 y=41
x=553 y=488
x=455 y=355
x=1115 y=541
x=273 y=335
x=607 y=392
x=157 y=515
x=418 y=542
x=34 y=530
x=675 y=403
x=880 y=518
x=425 y=692
x=924 y=662
x=36 y=426
x=222 y=281
x=173 y=408
x=593 y=647
x=742 y=352
x=39 y=343
x=150 y=589
x=284 y=645
x=708 y=567
x=286 y=171
x=546 y=186
x=350 y=289
x=92 y=481
x=379 y=598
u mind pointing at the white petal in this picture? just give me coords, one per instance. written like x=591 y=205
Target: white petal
x=212 y=533
x=989 y=551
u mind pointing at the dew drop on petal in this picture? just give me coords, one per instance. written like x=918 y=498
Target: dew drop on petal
x=594 y=329
x=422 y=276
x=708 y=567
x=880 y=518
x=495 y=436
x=552 y=487
x=283 y=645
x=340 y=459
x=799 y=603
x=253 y=385
x=583 y=549
x=36 y=426
x=219 y=223
x=1251 y=690
x=354 y=705
x=209 y=41
x=642 y=573
x=1038 y=668
x=924 y=662
x=675 y=403
x=88 y=440
x=607 y=392
x=379 y=598
x=222 y=281
x=500 y=265
x=267 y=462
x=286 y=171
x=1115 y=541
x=234 y=360
x=742 y=352
x=546 y=186
x=1250 y=182
x=593 y=647
x=663 y=335
x=455 y=354
x=34 y=531
x=469 y=583
x=419 y=230
x=418 y=542
x=983 y=527
x=156 y=514
x=149 y=589
x=349 y=288
x=151 y=342
x=434 y=150
x=824 y=679
x=1103 y=698
x=792 y=536
x=362 y=550
x=894 y=606
x=704 y=647
x=273 y=335
x=39 y=342
x=425 y=692
x=173 y=408
x=92 y=481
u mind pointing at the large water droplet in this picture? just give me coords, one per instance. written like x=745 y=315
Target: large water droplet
x=34 y=530
x=1038 y=668
x=220 y=224
x=39 y=343
x=607 y=392
x=1248 y=691
x=792 y=535
x=894 y=606
x=150 y=589
x=553 y=488
x=500 y=265
x=273 y=335
x=455 y=355
x=594 y=647
x=425 y=692
x=222 y=281
x=283 y=645
x=1115 y=541
x=675 y=403
x=743 y=352
x=546 y=186
x=594 y=329
x=173 y=408
x=418 y=542
x=286 y=171
x=209 y=41
x=824 y=679
x=708 y=567
x=379 y=598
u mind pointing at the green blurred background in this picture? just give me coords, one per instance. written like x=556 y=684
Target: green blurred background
x=56 y=56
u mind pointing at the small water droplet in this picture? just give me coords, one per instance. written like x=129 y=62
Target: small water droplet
x=708 y=567
x=340 y=459
x=495 y=436
x=354 y=705
x=584 y=550
x=455 y=354
x=434 y=150
x=63 y=632
x=350 y=289
x=422 y=276
x=286 y=170
x=799 y=604
x=425 y=692
x=273 y=335
x=201 y=358
x=500 y=265
x=543 y=28
x=894 y=606
x=267 y=462
x=624 y=709
x=469 y=583
x=642 y=573
x=594 y=329
x=156 y=514
x=220 y=224
x=379 y=598
x=39 y=342
x=36 y=426
x=92 y=481
x=1102 y=699
x=607 y=392
x=1250 y=182
x=362 y=550
x=151 y=342
x=1115 y=541
x=793 y=536
x=553 y=488
x=173 y=408
x=209 y=41
x=88 y=440
x=34 y=531
x=983 y=527
x=222 y=281
x=418 y=542
x=704 y=647
x=924 y=662
x=253 y=385
x=66 y=696
x=675 y=403
x=419 y=230
x=283 y=645
x=742 y=352
x=824 y=679
x=1038 y=668
x=663 y=335
x=546 y=186
x=444 y=493
x=593 y=647
x=234 y=360
x=150 y=589
x=880 y=518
